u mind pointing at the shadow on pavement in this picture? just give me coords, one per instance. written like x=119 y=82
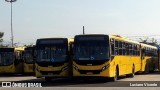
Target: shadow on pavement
x=76 y=82
x=64 y=82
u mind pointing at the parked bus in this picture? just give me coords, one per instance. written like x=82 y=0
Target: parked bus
x=105 y=56
x=149 y=58
x=29 y=60
x=158 y=58
x=53 y=58
x=11 y=60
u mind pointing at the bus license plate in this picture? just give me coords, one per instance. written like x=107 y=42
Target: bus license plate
x=89 y=72
x=50 y=73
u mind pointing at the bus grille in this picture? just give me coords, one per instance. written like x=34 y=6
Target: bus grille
x=90 y=71
x=53 y=72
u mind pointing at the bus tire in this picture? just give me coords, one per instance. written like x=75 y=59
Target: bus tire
x=48 y=79
x=133 y=72
x=153 y=68
x=116 y=77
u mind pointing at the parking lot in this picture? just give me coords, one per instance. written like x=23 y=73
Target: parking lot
x=95 y=84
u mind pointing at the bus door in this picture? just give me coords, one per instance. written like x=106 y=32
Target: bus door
x=159 y=58
x=129 y=57
x=142 y=58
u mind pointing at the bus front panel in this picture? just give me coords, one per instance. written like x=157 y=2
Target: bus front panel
x=52 y=58
x=91 y=56
x=6 y=60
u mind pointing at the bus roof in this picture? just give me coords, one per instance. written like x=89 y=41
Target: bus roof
x=68 y=39
x=118 y=37
x=90 y=35
x=52 y=38
x=6 y=49
x=19 y=48
x=149 y=46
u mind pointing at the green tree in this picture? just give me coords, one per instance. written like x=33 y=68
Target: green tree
x=151 y=41
x=29 y=45
x=144 y=40
x=1 y=35
x=1 y=40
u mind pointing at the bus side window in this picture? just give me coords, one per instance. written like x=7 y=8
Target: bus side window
x=146 y=51
x=134 y=49
x=112 y=47
x=124 y=48
x=120 y=48
x=143 y=51
x=138 y=50
x=130 y=49
x=127 y=49
x=116 y=48
x=151 y=53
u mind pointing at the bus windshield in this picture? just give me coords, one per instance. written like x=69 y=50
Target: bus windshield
x=6 y=58
x=54 y=53
x=91 y=50
x=28 y=58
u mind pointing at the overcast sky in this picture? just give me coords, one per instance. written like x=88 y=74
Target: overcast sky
x=33 y=19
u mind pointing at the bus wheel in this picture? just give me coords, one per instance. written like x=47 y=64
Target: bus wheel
x=116 y=77
x=48 y=79
x=151 y=71
x=133 y=72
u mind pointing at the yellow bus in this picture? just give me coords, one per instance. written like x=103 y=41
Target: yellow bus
x=98 y=55
x=158 y=58
x=11 y=60
x=149 y=58
x=53 y=58
x=29 y=60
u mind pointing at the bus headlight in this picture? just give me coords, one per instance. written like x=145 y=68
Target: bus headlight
x=64 y=68
x=76 y=68
x=105 y=67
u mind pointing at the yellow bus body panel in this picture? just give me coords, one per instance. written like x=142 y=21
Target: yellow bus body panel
x=28 y=68
x=7 y=69
x=124 y=63
x=62 y=74
x=65 y=73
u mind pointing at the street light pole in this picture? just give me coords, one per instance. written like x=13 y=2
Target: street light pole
x=11 y=1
